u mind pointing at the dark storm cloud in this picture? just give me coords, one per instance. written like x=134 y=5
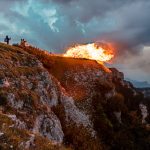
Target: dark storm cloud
x=84 y=10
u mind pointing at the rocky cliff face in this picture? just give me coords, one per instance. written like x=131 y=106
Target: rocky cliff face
x=51 y=102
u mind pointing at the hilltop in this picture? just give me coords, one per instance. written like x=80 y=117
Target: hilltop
x=53 y=102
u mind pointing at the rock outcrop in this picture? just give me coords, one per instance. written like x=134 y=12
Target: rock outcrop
x=67 y=103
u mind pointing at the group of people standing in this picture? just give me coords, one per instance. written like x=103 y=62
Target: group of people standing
x=23 y=42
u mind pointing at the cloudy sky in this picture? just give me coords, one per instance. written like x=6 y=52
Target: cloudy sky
x=55 y=24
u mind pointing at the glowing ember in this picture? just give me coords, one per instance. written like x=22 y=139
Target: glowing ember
x=93 y=51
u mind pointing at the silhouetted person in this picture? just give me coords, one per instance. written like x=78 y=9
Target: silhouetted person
x=23 y=42
x=7 y=39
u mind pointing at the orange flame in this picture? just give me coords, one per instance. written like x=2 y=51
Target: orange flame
x=95 y=51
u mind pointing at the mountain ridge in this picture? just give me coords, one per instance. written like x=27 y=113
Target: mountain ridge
x=67 y=103
x=139 y=84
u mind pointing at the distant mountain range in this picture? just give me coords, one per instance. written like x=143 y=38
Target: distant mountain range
x=139 y=84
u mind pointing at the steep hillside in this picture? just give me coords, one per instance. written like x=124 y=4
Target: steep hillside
x=26 y=90
x=68 y=104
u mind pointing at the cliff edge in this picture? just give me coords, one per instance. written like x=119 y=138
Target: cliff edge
x=54 y=102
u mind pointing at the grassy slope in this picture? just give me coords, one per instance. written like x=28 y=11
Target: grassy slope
x=59 y=65
x=12 y=137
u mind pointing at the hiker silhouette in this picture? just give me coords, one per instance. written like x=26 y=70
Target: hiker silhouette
x=23 y=42
x=7 y=39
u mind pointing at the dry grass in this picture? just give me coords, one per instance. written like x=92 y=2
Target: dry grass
x=57 y=65
x=14 y=63
x=14 y=137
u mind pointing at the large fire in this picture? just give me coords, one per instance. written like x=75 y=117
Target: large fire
x=95 y=51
